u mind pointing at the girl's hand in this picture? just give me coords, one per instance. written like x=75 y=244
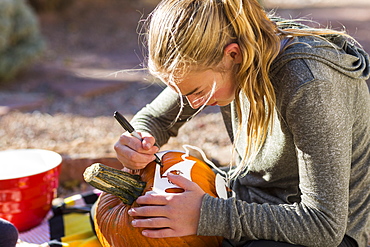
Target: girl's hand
x=133 y=153
x=170 y=215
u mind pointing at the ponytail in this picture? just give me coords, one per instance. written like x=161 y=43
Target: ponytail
x=260 y=44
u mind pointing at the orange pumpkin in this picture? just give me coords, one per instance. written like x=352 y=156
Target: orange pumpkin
x=113 y=224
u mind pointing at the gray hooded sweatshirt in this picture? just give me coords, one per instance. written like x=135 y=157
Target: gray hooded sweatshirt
x=310 y=182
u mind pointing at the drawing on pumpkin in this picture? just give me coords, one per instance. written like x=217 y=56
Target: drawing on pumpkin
x=162 y=185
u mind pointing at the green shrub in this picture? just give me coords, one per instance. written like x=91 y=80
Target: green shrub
x=20 y=38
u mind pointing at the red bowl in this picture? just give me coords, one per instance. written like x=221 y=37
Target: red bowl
x=28 y=183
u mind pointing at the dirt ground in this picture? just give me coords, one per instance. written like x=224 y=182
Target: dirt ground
x=73 y=89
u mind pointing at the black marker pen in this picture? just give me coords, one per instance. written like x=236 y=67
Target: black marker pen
x=127 y=126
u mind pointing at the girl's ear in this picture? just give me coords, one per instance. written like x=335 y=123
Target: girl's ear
x=232 y=51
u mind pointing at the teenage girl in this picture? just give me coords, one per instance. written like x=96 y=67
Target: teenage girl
x=297 y=108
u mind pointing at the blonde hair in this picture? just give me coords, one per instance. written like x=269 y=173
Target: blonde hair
x=192 y=34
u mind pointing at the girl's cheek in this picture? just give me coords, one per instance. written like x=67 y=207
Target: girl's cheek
x=219 y=94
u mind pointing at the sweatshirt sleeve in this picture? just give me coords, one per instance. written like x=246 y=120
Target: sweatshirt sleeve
x=164 y=116
x=320 y=120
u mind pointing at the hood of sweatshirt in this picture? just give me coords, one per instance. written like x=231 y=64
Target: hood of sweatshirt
x=333 y=50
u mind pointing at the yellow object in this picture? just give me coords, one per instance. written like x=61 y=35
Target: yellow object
x=78 y=232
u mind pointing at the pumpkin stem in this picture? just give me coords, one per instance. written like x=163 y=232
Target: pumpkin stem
x=126 y=186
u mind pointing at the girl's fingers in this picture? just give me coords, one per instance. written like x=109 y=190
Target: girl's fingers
x=132 y=153
x=148 y=142
x=182 y=182
x=149 y=211
x=142 y=146
x=159 y=222
x=134 y=160
x=159 y=233
x=153 y=199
